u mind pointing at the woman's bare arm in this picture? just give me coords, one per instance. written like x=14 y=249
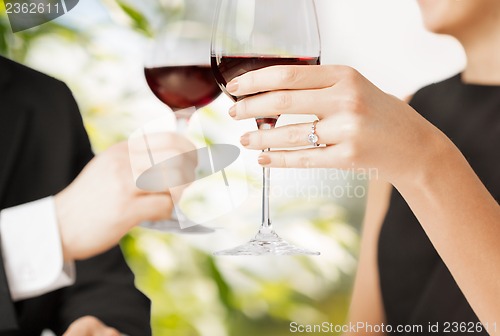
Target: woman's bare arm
x=462 y=220
x=366 y=303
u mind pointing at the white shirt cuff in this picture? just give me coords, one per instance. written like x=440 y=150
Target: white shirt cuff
x=32 y=252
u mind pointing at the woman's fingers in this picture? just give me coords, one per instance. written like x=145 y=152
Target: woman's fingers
x=282 y=77
x=283 y=102
x=305 y=90
x=320 y=157
x=295 y=135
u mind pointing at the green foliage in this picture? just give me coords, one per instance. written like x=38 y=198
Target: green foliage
x=196 y=294
x=16 y=46
x=139 y=21
x=4 y=27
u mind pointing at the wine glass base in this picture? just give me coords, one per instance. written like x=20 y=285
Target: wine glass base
x=172 y=226
x=266 y=244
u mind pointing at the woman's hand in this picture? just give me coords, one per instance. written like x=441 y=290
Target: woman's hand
x=361 y=126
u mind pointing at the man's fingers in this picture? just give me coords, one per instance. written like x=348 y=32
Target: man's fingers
x=154 y=207
x=107 y=332
x=90 y=326
x=168 y=141
x=155 y=148
x=164 y=175
x=282 y=77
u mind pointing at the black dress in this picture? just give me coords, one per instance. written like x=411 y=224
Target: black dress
x=417 y=288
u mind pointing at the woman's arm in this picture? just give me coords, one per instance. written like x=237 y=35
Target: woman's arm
x=366 y=303
x=364 y=127
x=462 y=221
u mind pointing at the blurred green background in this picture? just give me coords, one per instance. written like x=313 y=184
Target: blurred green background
x=97 y=50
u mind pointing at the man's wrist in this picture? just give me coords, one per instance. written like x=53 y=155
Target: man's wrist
x=57 y=213
x=32 y=250
x=61 y=214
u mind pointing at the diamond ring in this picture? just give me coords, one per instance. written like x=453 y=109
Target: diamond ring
x=313 y=137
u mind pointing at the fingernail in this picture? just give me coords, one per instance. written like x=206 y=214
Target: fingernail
x=245 y=139
x=232 y=111
x=232 y=86
x=264 y=160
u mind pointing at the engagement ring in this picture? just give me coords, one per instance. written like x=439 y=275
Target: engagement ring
x=313 y=137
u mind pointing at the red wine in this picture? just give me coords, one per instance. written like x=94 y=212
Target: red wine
x=262 y=121
x=226 y=68
x=181 y=87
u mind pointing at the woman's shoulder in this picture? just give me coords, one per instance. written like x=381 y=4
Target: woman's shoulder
x=437 y=89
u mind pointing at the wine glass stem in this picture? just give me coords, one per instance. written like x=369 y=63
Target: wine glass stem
x=182 y=124
x=182 y=127
x=266 y=219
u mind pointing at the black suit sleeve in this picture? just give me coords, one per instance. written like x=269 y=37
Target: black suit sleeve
x=8 y=319
x=104 y=286
x=105 y=289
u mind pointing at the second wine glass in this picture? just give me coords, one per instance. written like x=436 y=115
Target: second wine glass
x=254 y=34
x=177 y=70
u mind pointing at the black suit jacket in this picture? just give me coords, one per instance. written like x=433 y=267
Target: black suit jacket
x=43 y=147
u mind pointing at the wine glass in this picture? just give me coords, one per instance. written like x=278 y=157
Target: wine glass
x=177 y=70
x=250 y=35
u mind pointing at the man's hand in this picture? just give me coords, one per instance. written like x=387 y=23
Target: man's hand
x=90 y=326
x=103 y=203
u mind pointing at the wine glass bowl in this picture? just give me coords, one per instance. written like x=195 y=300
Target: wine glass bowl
x=250 y=35
x=188 y=85
x=177 y=70
x=177 y=67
